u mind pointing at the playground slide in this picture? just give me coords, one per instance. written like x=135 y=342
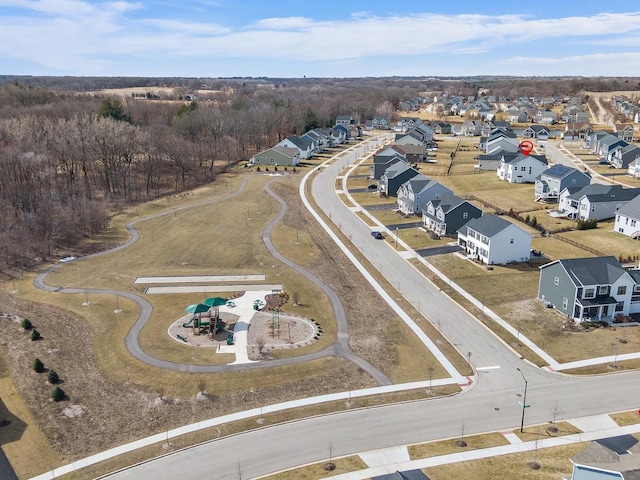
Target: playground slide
x=186 y=324
x=202 y=323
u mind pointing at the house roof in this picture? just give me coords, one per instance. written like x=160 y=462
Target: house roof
x=614 y=454
x=488 y=225
x=299 y=142
x=418 y=183
x=406 y=475
x=560 y=171
x=521 y=156
x=537 y=128
x=396 y=169
x=591 y=270
x=576 y=193
x=498 y=155
x=631 y=209
x=447 y=203
x=614 y=194
x=287 y=151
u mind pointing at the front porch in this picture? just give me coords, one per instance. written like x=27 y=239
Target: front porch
x=599 y=309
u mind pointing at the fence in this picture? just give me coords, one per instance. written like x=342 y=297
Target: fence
x=579 y=245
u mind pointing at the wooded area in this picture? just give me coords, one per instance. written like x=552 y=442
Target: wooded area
x=68 y=160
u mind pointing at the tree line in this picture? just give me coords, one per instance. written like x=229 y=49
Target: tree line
x=68 y=161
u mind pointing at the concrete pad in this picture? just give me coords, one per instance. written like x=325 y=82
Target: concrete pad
x=595 y=422
x=214 y=288
x=386 y=457
x=511 y=437
x=258 y=277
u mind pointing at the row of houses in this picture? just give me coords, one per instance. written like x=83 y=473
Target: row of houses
x=487 y=238
x=290 y=151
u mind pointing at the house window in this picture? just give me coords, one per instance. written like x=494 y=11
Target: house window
x=511 y=241
x=573 y=182
x=565 y=302
x=603 y=290
x=556 y=281
x=273 y=160
x=593 y=208
x=633 y=223
x=589 y=292
x=619 y=306
x=622 y=290
x=522 y=169
x=465 y=215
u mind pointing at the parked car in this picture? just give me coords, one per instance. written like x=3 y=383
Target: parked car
x=603 y=162
x=372 y=186
x=377 y=235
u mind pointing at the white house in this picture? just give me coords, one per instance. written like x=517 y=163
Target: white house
x=595 y=202
x=521 y=168
x=304 y=146
x=493 y=240
x=628 y=219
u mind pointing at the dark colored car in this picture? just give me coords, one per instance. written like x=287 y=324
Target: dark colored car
x=377 y=235
x=372 y=186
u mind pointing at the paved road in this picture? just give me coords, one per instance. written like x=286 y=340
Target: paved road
x=489 y=406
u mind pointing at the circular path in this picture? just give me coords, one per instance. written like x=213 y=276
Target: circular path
x=340 y=348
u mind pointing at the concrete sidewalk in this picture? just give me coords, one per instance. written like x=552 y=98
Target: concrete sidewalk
x=382 y=462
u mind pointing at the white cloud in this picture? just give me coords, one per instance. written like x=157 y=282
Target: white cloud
x=71 y=34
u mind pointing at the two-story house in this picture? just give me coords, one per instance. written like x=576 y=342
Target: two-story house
x=555 y=179
x=593 y=288
x=622 y=157
x=627 y=220
x=495 y=241
x=384 y=159
x=414 y=194
x=595 y=201
x=521 y=168
x=539 y=132
x=304 y=146
x=394 y=177
x=448 y=214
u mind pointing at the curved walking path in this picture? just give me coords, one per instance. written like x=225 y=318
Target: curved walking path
x=339 y=348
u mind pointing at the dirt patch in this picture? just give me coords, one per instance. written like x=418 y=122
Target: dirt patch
x=267 y=333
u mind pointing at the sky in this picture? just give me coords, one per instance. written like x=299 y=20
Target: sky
x=312 y=38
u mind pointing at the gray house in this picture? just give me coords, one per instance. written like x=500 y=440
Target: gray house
x=447 y=215
x=414 y=194
x=491 y=161
x=593 y=288
x=304 y=145
x=613 y=458
x=622 y=157
x=539 y=132
x=595 y=201
x=384 y=159
x=277 y=156
x=556 y=178
x=394 y=177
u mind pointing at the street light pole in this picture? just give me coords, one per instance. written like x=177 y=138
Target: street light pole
x=524 y=400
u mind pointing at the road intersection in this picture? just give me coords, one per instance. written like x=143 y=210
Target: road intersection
x=491 y=404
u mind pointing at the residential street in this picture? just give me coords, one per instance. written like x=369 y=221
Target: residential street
x=490 y=405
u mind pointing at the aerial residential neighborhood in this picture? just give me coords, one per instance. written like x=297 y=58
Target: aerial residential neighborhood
x=337 y=241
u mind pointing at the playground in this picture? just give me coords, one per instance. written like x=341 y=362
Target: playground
x=249 y=326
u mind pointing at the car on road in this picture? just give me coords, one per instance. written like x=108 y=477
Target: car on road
x=377 y=235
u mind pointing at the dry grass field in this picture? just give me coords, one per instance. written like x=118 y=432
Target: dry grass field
x=93 y=359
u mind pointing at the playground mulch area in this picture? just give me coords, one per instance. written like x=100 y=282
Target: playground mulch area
x=227 y=321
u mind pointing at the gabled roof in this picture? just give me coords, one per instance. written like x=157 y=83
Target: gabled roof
x=388 y=158
x=591 y=270
x=537 y=128
x=631 y=209
x=488 y=225
x=618 y=194
x=521 y=156
x=448 y=202
x=406 y=475
x=396 y=169
x=560 y=171
x=498 y=155
x=301 y=143
x=418 y=183
x=497 y=133
x=614 y=454
x=287 y=151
